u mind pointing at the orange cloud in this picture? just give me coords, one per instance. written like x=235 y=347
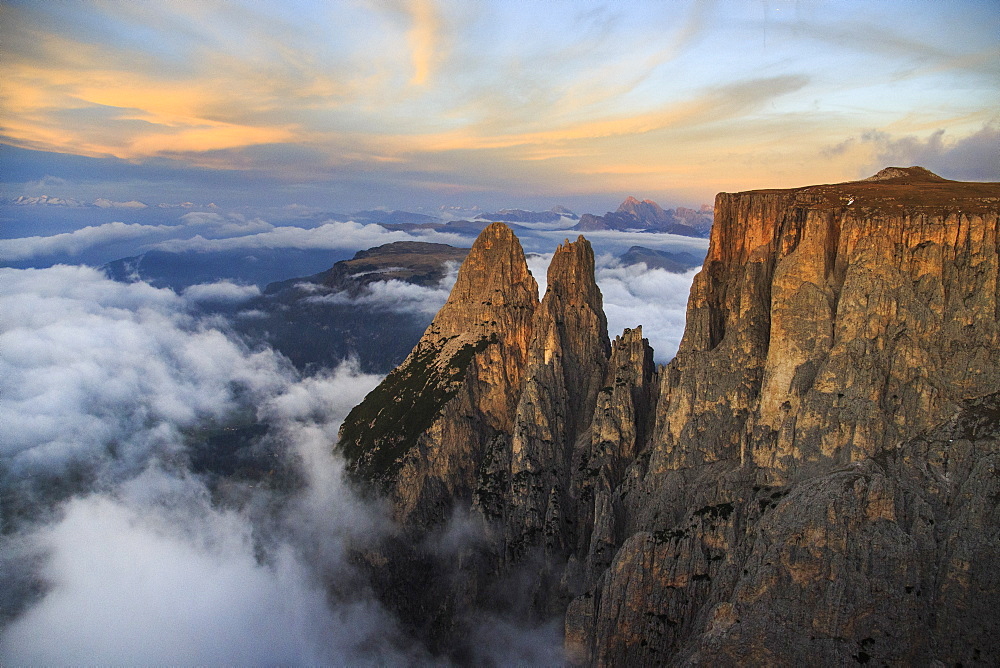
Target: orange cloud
x=423 y=39
x=712 y=106
x=211 y=138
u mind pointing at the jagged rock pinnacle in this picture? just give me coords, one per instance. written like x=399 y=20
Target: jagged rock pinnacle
x=566 y=365
x=420 y=434
x=493 y=278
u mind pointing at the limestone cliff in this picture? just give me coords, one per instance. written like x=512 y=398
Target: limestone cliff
x=813 y=478
x=786 y=512
x=832 y=304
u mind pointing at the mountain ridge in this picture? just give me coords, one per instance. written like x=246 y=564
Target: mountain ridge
x=809 y=479
x=648 y=216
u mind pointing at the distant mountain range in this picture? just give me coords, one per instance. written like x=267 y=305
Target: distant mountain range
x=100 y=203
x=648 y=216
x=521 y=216
x=632 y=215
x=393 y=217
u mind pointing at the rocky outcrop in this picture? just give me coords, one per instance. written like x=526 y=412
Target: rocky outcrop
x=812 y=478
x=565 y=368
x=414 y=262
x=620 y=426
x=421 y=434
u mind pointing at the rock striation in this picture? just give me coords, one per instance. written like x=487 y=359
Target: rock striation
x=814 y=477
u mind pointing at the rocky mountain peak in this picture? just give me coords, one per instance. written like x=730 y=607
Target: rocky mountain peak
x=493 y=279
x=571 y=270
x=458 y=385
x=633 y=214
x=646 y=211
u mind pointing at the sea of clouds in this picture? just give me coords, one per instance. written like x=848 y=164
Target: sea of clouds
x=116 y=549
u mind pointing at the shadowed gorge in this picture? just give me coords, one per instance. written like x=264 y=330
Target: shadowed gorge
x=813 y=477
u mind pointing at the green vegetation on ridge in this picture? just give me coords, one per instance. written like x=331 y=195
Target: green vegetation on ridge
x=380 y=430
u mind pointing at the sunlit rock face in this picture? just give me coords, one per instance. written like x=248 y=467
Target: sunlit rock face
x=813 y=477
x=830 y=322
x=793 y=508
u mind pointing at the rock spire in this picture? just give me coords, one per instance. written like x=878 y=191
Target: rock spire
x=420 y=434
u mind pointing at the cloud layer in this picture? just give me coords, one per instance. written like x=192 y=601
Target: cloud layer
x=118 y=552
x=103 y=385
x=204 y=232
x=87 y=363
x=653 y=298
x=155 y=573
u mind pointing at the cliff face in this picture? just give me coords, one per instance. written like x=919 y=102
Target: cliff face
x=814 y=476
x=863 y=312
x=792 y=507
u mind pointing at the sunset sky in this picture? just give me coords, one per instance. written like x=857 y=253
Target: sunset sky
x=414 y=104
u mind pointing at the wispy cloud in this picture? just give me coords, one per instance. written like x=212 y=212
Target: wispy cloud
x=423 y=39
x=421 y=94
x=395 y=295
x=221 y=291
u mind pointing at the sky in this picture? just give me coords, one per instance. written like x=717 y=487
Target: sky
x=421 y=104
